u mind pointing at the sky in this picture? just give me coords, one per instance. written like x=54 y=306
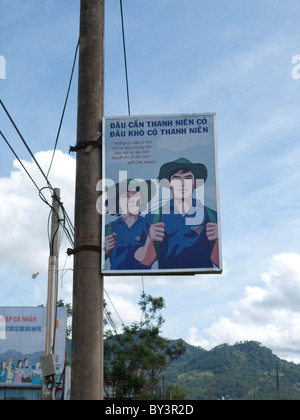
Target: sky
x=184 y=56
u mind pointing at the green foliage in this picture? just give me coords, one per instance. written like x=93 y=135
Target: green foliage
x=134 y=359
x=175 y=393
x=62 y=304
x=245 y=371
x=137 y=360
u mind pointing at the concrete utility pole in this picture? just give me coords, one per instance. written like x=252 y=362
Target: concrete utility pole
x=87 y=331
x=49 y=393
x=53 y=274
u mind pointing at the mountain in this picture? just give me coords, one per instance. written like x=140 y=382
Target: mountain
x=16 y=356
x=12 y=354
x=245 y=370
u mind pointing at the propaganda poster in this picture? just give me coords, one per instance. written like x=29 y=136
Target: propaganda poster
x=159 y=195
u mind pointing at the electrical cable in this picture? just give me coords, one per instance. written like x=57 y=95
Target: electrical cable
x=66 y=218
x=19 y=160
x=127 y=81
x=63 y=221
x=125 y=57
x=36 y=162
x=114 y=308
x=64 y=108
x=24 y=168
x=68 y=234
x=24 y=142
x=111 y=321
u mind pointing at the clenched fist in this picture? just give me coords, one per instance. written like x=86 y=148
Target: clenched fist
x=212 y=231
x=110 y=243
x=157 y=232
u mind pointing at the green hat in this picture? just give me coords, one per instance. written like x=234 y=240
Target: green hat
x=199 y=170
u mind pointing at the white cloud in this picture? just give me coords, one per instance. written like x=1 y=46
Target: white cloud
x=24 y=240
x=127 y=311
x=269 y=314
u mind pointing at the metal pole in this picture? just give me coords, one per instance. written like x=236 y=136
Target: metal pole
x=53 y=267
x=52 y=283
x=51 y=317
x=87 y=329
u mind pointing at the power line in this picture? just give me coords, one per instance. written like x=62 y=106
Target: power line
x=19 y=160
x=28 y=149
x=114 y=308
x=66 y=222
x=24 y=168
x=127 y=81
x=25 y=143
x=66 y=219
x=64 y=108
x=63 y=221
x=125 y=56
x=69 y=229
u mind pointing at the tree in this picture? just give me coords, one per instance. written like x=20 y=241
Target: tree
x=176 y=393
x=134 y=359
x=62 y=304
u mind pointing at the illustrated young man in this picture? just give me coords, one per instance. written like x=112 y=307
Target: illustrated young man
x=184 y=234
x=28 y=371
x=123 y=236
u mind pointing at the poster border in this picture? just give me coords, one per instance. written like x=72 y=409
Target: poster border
x=168 y=272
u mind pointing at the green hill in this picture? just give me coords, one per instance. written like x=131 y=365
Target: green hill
x=245 y=370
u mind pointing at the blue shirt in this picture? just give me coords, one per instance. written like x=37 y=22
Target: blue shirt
x=128 y=241
x=185 y=244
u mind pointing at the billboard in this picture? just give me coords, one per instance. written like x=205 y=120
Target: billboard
x=160 y=199
x=22 y=343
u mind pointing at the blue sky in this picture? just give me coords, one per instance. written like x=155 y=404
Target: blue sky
x=184 y=56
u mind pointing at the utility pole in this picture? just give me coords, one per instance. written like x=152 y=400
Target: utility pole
x=53 y=274
x=87 y=330
x=52 y=290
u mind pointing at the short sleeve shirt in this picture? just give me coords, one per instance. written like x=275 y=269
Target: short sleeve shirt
x=185 y=244
x=128 y=241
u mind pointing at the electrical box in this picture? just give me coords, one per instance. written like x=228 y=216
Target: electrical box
x=48 y=365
